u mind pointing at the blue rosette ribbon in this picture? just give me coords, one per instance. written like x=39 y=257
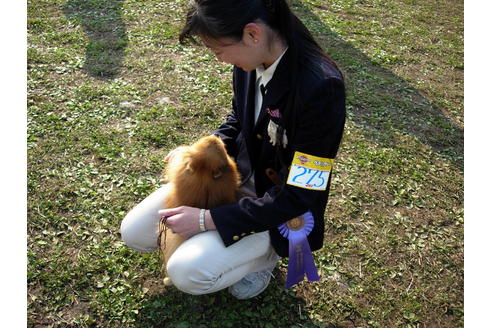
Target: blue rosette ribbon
x=301 y=261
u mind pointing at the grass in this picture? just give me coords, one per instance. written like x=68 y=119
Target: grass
x=110 y=92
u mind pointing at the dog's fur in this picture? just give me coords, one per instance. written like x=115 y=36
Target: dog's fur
x=201 y=175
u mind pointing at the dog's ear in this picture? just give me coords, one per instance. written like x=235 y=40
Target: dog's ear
x=194 y=162
x=189 y=167
x=217 y=173
x=186 y=162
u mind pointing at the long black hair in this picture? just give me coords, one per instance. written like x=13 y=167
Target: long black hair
x=217 y=19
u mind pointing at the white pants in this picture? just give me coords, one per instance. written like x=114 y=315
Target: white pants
x=202 y=264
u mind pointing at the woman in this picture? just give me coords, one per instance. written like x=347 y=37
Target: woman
x=288 y=110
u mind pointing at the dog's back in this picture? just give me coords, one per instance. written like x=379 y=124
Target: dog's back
x=201 y=175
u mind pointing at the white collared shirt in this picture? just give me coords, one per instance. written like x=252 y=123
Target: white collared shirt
x=263 y=76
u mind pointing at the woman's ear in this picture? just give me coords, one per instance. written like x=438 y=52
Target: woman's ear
x=253 y=33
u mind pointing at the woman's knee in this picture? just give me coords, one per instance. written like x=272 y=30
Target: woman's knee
x=139 y=228
x=133 y=237
x=190 y=278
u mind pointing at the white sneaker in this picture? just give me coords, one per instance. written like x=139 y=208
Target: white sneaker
x=253 y=283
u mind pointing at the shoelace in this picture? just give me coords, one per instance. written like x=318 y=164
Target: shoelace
x=261 y=275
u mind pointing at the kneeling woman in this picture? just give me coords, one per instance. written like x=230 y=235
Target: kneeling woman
x=284 y=132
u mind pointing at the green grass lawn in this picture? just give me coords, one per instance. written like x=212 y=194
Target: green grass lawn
x=110 y=92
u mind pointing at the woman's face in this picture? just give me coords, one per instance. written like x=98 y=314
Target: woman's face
x=239 y=53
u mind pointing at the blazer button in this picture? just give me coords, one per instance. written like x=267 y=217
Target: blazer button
x=243 y=234
x=259 y=137
x=235 y=238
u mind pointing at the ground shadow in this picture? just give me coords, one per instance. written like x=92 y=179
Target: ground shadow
x=275 y=307
x=399 y=106
x=392 y=111
x=104 y=26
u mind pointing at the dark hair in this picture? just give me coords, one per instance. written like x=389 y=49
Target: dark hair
x=227 y=18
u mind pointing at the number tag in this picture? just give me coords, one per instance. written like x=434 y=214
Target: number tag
x=310 y=172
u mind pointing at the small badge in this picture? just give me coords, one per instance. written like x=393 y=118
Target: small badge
x=274 y=113
x=310 y=172
x=295 y=223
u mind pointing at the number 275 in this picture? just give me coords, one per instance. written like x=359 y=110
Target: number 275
x=310 y=177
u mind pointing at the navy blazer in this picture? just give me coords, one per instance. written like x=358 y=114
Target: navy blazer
x=319 y=129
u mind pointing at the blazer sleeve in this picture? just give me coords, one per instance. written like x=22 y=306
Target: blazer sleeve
x=319 y=134
x=229 y=132
x=231 y=128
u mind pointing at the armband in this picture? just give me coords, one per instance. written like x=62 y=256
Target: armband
x=310 y=172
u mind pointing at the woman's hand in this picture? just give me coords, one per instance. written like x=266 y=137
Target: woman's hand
x=184 y=220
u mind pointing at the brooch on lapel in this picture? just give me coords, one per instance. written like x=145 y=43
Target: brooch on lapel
x=277 y=134
x=274 y=113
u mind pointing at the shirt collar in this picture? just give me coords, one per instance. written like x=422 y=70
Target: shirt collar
x=266 y=74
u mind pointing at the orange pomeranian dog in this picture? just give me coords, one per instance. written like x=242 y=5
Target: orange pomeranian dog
x=201 y=175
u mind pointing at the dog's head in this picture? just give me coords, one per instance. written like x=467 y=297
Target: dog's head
x=206 y=159
x=208 y=156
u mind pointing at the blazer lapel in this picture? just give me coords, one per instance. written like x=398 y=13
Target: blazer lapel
x=278 y=86
x=248 y=114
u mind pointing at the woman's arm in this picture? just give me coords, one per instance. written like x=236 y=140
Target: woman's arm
x=228 y=132
x=319 y=134
x=231 y=128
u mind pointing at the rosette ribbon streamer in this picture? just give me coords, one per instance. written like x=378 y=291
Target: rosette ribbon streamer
x=301 y=259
